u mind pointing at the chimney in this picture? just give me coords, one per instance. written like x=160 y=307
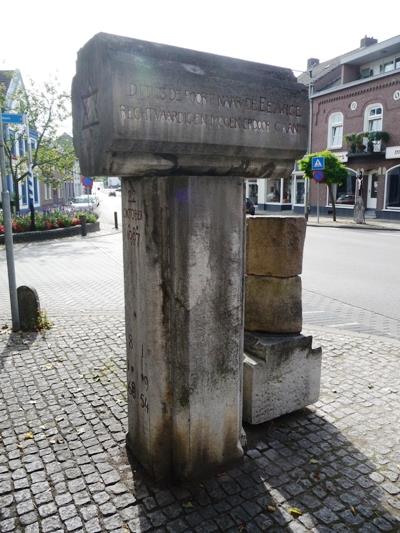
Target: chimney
x=312 y=62
x=367 y=41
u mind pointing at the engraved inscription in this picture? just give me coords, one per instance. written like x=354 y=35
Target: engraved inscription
x=139 y=392
x=132 y=216
x=156 y=104
x=242 y=103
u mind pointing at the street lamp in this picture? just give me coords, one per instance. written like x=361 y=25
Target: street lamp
x=309 y=142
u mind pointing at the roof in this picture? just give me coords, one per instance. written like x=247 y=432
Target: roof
x=5 y=77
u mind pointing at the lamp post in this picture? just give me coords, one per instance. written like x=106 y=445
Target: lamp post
x=309 y=143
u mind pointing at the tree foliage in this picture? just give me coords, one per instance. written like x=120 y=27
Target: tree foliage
x=335 y=172
x=52 y=155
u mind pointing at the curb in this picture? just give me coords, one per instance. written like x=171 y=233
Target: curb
x=353 y=226
x=34 y=236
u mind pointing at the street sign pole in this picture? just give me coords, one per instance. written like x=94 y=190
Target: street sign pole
x=318 y=204
x=5 y=197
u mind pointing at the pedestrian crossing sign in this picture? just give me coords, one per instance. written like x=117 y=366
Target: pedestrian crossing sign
x=318 y=163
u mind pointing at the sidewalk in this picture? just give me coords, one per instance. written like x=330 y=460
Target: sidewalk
x=341 y=222
x=334 y=466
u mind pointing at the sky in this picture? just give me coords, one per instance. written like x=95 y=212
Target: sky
x=42 y=37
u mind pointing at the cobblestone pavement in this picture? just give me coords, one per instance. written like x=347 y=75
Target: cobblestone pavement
x=63 y=466
x=334 y=466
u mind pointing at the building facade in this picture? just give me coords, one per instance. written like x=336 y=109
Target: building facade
x=46 y=194
x=355 y=113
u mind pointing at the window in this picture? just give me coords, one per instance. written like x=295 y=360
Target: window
x=24 y=192
x=47 y=191
x=366 y=72
x=393 y=188
x=335 y=130
x=397 y=63
x=278 y=191
x=387 y=67
x=298 y=190
x=373 y=119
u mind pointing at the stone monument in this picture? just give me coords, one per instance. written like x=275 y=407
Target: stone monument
x=183 y=128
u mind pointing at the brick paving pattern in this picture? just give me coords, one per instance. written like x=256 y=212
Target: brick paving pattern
x=334 y=466
x=64 y=467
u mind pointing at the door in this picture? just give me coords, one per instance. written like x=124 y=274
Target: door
x=372 y=191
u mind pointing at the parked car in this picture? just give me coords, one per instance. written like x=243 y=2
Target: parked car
x=346 y=199
x=87 y=202
x=250 y=208
x=112 y=193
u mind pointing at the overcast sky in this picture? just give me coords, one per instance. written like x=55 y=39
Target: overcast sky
x=41 y=37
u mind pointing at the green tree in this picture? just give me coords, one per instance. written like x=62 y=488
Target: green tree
x=335 y=172
x=52 y=155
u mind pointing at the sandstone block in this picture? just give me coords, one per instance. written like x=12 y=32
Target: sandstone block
x=273 y=305
x=281 y=375
x=274 y=246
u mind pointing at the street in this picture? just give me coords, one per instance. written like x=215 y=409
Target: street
x=347 y=285
x=350 y=280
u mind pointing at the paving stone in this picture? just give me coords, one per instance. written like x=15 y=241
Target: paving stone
x=28 y=518
x=67 y=511
x=112 y=522
x=93 y=526
x=72 y=524
x=25 y=507
x=8 y=525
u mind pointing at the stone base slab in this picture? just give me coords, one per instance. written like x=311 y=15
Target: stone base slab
x=281 y=374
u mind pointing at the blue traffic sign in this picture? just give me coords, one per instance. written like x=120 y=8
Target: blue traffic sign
x=318 y=163
x=12 y=118
x=86 y=181
x=318 y=175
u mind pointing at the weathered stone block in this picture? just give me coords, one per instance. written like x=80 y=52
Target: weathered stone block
x=281 y=375
x=29 y=308
x=141 y=108
x=274 y=246
x=273 y=305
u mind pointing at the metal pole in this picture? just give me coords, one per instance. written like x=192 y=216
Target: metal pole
x=318 y=204
x=115 y=219
x=8 y=238
x=30 y=176
x=309 y=143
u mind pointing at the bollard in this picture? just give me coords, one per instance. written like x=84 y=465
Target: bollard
x=82 y=219
x=115 y=220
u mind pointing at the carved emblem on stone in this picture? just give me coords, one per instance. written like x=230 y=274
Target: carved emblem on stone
x=90 y=117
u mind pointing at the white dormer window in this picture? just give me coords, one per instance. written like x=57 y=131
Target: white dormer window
x=335 y=130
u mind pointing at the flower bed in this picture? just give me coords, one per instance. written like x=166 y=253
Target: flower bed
x=49 y=224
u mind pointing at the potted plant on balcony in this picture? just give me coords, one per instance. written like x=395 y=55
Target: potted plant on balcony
x=355 y=142
x=377 y=140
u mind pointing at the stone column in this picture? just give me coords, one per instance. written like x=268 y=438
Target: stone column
x=183 y=240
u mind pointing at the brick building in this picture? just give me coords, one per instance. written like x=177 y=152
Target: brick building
x=353 y=97
x=355 y=109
